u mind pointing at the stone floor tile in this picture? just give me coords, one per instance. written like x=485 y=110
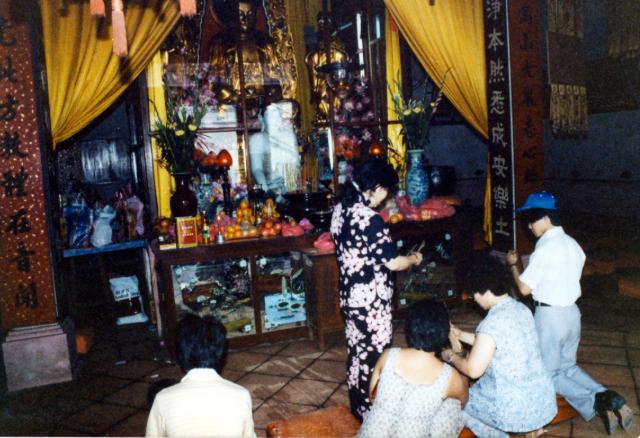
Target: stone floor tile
x=609 y=375
x=135 y=425
x=256 y=403
x=134 y=369
x=339 y=397
x=99 y=417
x=602 y=355
x=284 y=365
x=634 y=357
x=602 y=337
x=560 y=430
x=326 y=370
x=245 y=361
x=308 y=392
x=134 y=395
x=269 y=348
x=165 y=372
x=633 y=338
x=274 y=410
x=307 y=349
x=232 y=375
x=336 y=352
x=595 y=428
x=95 y=388
x=262 y=385
x=636 y=374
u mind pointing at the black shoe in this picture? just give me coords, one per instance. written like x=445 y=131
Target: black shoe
x=618 y=404
x=602 y=409
x=613 y=408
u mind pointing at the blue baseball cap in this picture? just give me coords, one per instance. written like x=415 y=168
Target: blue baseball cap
x=539 y=200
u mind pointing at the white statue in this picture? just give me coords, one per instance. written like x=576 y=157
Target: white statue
x=275 y=161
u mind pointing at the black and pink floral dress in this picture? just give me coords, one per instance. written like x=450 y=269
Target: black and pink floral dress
x=363 y=246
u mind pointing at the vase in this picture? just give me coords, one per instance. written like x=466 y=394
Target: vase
x=416 y=180
x=183 y=202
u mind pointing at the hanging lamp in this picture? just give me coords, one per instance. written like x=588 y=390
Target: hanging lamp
x=188 y=8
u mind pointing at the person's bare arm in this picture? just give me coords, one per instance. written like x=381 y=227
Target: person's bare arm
x=512 y=261
x=466 y=337
x=400 y=263
x=375 y=376
x=458 y=387
x=476 y=364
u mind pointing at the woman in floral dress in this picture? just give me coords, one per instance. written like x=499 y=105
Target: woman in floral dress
x=366 y=256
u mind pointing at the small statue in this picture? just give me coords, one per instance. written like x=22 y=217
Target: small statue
x=317 y=58
x=264 y=74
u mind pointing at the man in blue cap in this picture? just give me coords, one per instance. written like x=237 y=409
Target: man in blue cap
x=552 y=278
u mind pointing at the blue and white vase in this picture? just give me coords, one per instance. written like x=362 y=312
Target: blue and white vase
x=416 y=180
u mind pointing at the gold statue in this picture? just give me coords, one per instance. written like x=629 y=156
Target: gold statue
x=318 y=58
x=264 y=74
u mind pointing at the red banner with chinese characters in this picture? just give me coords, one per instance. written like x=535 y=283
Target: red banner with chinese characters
x=26 y=273
x=515 y=94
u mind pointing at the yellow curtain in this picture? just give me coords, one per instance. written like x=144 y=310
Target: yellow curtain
x=157 y=111
x=394 y=66
x=84 y=77
x=449 y=34
x=299 y=15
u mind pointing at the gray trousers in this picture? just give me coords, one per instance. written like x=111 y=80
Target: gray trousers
x=559 y=335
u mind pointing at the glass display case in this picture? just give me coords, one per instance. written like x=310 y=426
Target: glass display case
x=221 y=288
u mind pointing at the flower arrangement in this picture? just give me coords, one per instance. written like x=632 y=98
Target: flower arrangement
x=177 y=136
x=416 y=116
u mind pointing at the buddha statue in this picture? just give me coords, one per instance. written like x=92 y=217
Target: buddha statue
x=317 y=58
x=264 y=75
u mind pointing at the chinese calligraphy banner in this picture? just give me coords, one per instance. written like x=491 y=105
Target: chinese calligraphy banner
x=515 y=94
x=26 y=273
x=500 y=139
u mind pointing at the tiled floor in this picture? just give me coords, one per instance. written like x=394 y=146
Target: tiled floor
x=109 y=397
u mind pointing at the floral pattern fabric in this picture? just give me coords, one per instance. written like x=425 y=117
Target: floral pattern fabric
x=363 y=246
x=515 y=393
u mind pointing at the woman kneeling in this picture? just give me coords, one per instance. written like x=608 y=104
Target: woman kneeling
x=514 y=392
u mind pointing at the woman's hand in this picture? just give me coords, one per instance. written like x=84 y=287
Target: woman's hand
x=447 y=355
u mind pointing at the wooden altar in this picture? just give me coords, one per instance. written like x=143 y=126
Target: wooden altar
x=323 y=319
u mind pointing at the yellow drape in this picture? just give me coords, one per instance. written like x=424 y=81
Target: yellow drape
x=157 y=111
x=299 y=15
x=392 y=42
x=84 y=77
x=449 y=34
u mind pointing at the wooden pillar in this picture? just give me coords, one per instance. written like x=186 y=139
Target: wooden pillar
x=36 y=348
x=515 y=94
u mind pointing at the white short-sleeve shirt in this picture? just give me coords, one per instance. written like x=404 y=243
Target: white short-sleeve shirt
x=554 y=269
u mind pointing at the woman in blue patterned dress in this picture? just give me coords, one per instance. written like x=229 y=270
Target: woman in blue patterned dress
x=514 y=392
x=366 y=256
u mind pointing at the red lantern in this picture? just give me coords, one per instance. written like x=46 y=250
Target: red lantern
x=376 y=150
x=224 y=159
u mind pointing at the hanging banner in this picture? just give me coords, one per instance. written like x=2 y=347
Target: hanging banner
x=515 y=95
x=500 y=139
x=26 y=273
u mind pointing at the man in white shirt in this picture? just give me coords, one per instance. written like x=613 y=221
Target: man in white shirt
x=203 y=404
x=552 y=277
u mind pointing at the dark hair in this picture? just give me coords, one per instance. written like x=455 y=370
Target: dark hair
x=201 y=342
x=368 y=176
x=426 y=325
x=489 y=273
x=535 y=214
